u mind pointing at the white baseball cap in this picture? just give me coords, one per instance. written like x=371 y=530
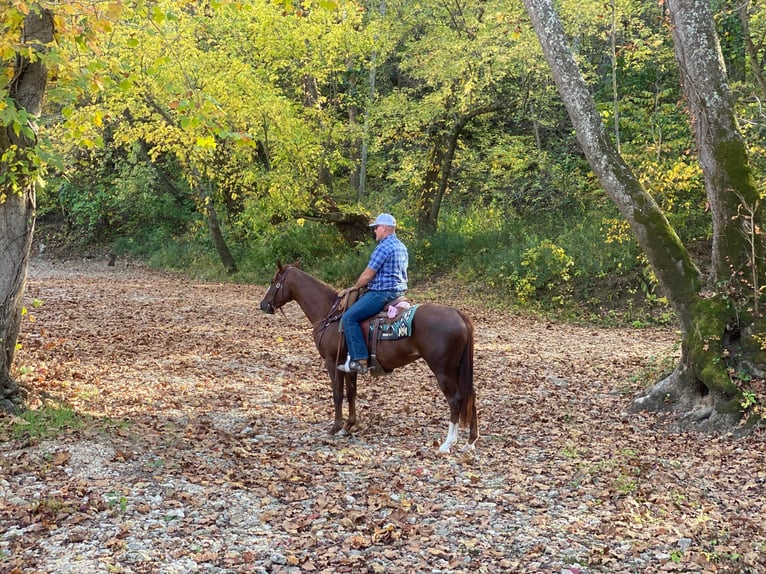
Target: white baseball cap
x=384 y=219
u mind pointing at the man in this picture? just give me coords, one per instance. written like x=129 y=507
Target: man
x=386 y=279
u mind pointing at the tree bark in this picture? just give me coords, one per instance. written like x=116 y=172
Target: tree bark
x=711 y=327
x=430 y=187
x=722 y=154
x=17 y=197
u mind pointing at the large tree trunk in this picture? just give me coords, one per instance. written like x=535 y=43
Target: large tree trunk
x=729 y=184
x=429 y=190
x=17 y=198
x=727 y=315
x=712 y=322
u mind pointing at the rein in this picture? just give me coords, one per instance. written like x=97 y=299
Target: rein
x=332 y=316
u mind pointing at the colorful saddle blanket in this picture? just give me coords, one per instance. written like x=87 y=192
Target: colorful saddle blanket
x=382 y=328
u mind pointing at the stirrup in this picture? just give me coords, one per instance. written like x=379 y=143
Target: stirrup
x=353 y=366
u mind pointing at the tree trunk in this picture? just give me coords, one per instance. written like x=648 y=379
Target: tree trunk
x=17 y=213
x=216 y=235
x=355 y=149
x=440 y=168
x=722 y=154
x=715 y=326
x=17 y=198
x=726 y=317
x=430 y=187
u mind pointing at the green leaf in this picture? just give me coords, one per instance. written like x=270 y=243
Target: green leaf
x=157 y=14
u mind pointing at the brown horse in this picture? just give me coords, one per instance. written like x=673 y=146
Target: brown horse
x=441 y=335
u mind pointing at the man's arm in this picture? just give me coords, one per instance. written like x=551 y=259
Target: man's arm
x=366 y=276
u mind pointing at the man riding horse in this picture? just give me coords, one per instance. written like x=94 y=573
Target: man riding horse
x=442 y=336
x=385 y=278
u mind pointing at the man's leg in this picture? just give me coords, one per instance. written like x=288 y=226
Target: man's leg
x=366 y=306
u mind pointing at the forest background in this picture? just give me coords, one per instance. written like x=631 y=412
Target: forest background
x=277 y=129
x=220 y=137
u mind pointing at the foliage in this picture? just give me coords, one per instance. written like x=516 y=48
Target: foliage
x=121 y=195
x=256 y=110
x=309 y=242
x=545 y=266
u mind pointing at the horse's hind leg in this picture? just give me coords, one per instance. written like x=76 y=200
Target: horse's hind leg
x=351 y=398
x=449 y=388
x=451 y=437
x=473 y=434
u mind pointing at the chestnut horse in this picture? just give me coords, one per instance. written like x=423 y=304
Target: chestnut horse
x=442 y=336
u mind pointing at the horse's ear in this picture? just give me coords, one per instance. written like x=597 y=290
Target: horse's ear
x=297 y=264
x=279 y=265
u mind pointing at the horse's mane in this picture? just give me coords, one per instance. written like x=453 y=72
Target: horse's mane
x=326 y=286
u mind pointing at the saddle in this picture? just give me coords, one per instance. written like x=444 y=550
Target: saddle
x=349 y=298
x=393 y=322
x=393 y=309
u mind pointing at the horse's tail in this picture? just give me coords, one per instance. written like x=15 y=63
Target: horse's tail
x=465 y=378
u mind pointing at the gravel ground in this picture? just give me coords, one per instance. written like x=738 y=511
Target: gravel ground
x=203 y=448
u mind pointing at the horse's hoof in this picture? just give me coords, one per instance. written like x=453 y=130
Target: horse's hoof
x=468 y=448
x=445 y=448
x=342 y=432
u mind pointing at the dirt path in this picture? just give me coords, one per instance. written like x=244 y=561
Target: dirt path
x=208 y=452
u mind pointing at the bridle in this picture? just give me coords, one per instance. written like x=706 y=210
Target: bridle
x=278 y=284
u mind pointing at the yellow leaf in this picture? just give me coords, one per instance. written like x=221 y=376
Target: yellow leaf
x=206 y=142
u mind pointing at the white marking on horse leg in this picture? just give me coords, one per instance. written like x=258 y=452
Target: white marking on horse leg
x=451 y=437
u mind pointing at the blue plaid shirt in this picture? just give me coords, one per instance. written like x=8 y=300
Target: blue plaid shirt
x=390 y=260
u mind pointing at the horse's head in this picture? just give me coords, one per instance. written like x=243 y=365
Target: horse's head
x=278 y=292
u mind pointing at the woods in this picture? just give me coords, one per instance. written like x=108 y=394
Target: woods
x=580 y=180
x=269 y=131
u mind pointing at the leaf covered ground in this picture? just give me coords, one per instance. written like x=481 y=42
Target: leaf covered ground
x=199 y=445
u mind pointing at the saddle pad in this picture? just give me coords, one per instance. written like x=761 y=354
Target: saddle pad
x=398 y=329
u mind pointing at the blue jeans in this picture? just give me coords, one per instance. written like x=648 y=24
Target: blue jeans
x=366 y=306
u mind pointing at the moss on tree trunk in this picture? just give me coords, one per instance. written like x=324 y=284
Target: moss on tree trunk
x=715 y=358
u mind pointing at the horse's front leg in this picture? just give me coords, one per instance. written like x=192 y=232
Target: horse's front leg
x=336 y=378
x=351 y=398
